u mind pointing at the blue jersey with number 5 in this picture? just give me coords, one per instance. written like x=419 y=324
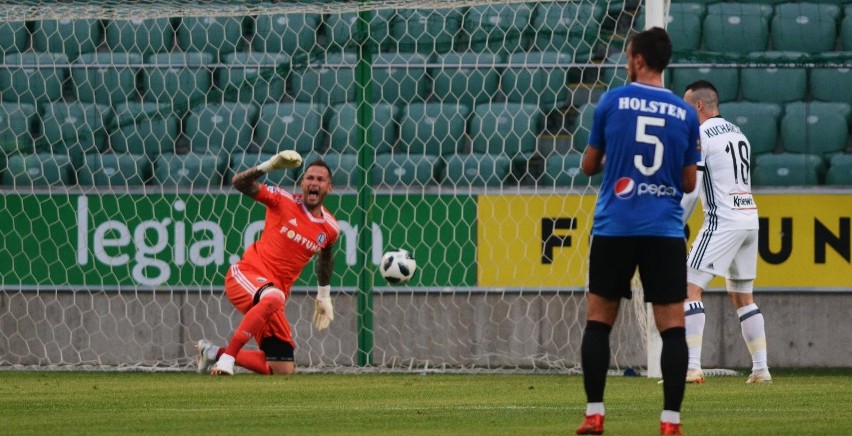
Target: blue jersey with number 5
x=648 y=135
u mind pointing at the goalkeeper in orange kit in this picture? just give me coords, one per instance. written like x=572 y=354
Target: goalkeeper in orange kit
x=297 y=227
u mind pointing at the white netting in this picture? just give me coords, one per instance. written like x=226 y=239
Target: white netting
x=123 y=123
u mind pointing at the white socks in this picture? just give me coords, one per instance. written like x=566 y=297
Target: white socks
x=751 y=322
x=670 y=416
x=695 y=319
x=211 y=352
x=594 y=409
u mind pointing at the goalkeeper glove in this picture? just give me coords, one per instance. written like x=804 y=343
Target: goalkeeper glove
x=323 y=310
x=282 y=160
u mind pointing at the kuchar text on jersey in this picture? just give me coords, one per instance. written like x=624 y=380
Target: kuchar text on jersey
x=720 y=129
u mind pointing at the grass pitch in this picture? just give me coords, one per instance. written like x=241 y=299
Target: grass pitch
x=797 y=403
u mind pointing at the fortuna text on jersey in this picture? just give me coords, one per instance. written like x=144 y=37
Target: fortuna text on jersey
x=303 y=241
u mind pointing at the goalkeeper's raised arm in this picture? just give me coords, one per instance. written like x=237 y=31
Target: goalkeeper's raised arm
x=246 y=181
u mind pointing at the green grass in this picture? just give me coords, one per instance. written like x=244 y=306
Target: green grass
x=800 y=403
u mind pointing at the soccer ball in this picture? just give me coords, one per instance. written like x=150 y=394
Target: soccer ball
x=397 y=267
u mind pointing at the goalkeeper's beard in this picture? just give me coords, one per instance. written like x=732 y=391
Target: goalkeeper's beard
x=313 y=198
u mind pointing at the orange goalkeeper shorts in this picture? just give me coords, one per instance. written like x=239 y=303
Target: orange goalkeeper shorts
x=242 y=282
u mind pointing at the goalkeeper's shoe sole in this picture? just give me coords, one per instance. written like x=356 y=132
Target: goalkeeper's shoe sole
x=223 y=366
x=667 y=428
x=759 y=377
x=695 y=376
x=204 y=363
x=593 y=424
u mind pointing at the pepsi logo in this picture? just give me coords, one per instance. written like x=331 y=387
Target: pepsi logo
x=624 y=188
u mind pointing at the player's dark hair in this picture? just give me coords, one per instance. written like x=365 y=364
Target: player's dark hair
x=654 y=45
x=701 y=84
x=320 y=163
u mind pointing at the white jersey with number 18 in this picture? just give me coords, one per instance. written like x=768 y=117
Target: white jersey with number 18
x=726 y=180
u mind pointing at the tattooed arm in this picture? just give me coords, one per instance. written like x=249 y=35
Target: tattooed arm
x=246 y=181
x=325 y=265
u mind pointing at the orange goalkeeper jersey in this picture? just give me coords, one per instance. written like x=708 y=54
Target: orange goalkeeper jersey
x=291 y=237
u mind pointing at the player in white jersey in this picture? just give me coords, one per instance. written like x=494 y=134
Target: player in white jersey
x=726 y=245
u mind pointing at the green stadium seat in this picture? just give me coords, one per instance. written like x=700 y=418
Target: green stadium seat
x=20 y=82
x=425 y=31
x=344 y=168
x=179 y=79
x=220 y=128
x=74 y=128
x=144 y=36
x=466 y=85
x=403 y=82
x=37 y=170
x=774 y=85
x=241 y=161
x=14 y=37
x=736 y=27
x=290 y=126
x=341 y=31
x=726 y=80
x=399 y=170
x=537 y=82
x=114 y=170
x=286 y=33
x=70 y=37
x=758 y=121
x=475 y=169
x=15 y=128
x=840 y=171
x=816 y=128
x=583 y=126
x=764 y=2
x=846 y=29
x=565 y=170
x=190 y=170
x=683 y=23
x=498 y=28
x=568 y=27
x=144 y=128
x=106 y=78
x=253 y=77
x=324 y=84
x=343 y=131
x=216 y=35
x=617 y=76
x=805 y=27
x=507 y=129
x=433 y=128
x=840 y=158
x=705 y=2
x=824 y=83
x=787 y=169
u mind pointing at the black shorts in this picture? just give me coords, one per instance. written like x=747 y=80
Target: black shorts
x=661 y=262
x=277 y=350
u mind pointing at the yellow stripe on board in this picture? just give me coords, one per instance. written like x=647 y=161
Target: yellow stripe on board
x=543 y=240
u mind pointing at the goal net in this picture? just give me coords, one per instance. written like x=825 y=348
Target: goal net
x=454 y=132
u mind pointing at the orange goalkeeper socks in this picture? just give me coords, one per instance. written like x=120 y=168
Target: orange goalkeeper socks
x=254 y=321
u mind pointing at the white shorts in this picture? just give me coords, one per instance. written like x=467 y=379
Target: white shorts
x=727 y=253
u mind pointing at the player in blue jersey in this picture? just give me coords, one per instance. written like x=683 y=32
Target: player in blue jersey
x=645 y=140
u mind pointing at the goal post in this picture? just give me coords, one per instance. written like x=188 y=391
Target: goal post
x=454 y=132
x=656 y=12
